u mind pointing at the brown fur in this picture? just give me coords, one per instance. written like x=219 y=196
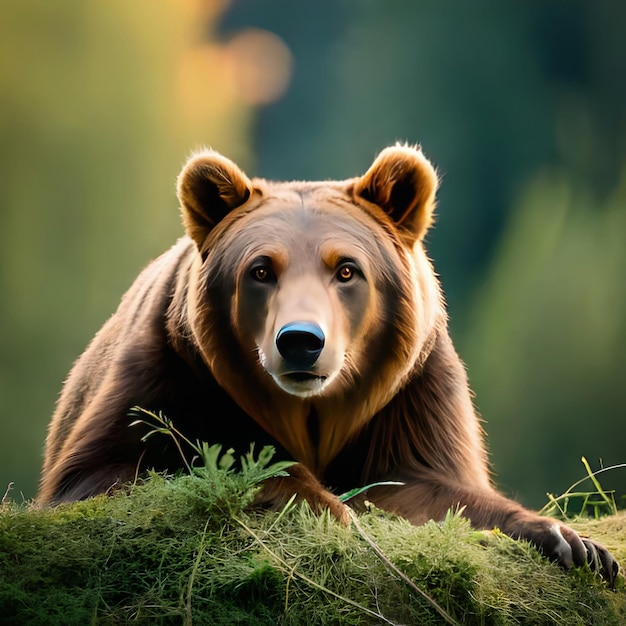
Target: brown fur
x=385 y=396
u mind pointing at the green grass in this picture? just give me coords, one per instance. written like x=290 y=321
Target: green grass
x=191 y=550
x=592 y=500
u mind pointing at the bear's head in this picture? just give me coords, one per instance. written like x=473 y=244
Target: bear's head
x=311 y=302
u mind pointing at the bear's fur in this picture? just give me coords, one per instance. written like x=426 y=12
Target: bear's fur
x=305 y=315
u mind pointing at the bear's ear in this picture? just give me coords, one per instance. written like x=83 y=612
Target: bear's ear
x=403 y=183
x=209 y=187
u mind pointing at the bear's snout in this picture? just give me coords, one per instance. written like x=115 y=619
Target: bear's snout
x=300 y=343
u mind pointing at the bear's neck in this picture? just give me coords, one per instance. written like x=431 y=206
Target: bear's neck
x=313 y=432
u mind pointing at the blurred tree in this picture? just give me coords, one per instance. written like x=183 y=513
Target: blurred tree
x=99 y=105
x=546 y=343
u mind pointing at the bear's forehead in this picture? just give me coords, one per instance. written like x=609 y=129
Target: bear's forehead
x=308 y=210
x=303 y=193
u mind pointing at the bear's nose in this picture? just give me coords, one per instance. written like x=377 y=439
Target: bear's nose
x=300 y=343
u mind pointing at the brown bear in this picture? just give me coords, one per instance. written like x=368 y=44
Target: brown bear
x=305 y=315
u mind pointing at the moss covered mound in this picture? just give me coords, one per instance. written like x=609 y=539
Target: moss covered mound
x=190 y=550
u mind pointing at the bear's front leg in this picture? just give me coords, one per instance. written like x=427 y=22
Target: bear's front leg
x=276 y=492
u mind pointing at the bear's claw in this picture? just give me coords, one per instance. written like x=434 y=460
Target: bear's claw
x=571 y=549
x=601 y=561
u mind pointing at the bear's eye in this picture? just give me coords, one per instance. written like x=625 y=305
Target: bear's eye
x=346 y=271
x=262 y=272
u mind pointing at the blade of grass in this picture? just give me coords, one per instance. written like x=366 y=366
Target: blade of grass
x=344 y=497
x=194 y=570
x=597 y=485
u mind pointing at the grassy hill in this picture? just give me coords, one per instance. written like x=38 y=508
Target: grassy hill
x=191 y=550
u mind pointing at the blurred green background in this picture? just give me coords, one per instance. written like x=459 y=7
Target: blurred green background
x=521 y=105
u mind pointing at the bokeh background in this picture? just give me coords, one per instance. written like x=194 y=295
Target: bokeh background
x=521 y=105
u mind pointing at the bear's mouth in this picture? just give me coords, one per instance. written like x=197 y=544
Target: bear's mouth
x=304 y=377
x=302 y=383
